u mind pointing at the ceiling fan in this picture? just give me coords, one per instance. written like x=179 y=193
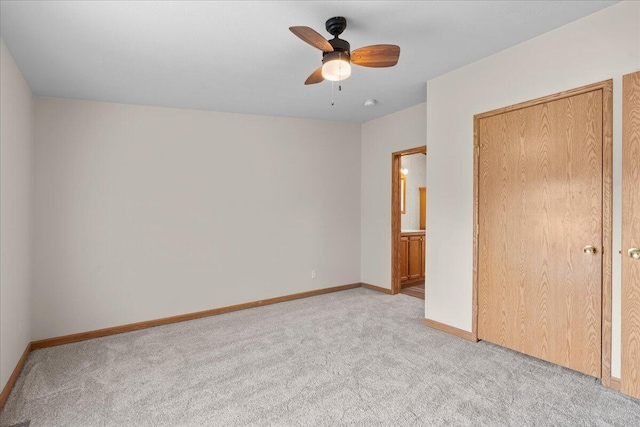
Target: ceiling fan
x=336 y=53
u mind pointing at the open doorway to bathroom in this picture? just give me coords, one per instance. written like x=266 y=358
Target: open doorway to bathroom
x=408 y=221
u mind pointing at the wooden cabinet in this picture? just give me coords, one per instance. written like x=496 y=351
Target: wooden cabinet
x=412 y=266
x=404 y=259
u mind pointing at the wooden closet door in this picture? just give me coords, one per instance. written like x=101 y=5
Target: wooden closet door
x=630 y=378
x=539 y=204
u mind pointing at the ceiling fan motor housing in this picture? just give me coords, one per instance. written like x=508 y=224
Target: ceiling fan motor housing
x=341 y=46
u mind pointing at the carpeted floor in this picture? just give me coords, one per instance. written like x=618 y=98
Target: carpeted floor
x=355 y=357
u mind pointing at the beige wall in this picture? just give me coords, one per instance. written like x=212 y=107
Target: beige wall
x=145 y=212
x=598 y=47
x=16 y=116
x=381 y=137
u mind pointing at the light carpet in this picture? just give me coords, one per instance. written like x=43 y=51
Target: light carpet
x=356 y=357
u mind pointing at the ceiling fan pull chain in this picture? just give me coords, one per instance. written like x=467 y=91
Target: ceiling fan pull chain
x=332 y=102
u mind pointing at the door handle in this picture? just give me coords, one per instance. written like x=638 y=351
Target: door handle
x=634 y=253
x=589 y=250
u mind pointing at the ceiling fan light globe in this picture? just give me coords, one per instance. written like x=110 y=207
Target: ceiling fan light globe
x=336 y=69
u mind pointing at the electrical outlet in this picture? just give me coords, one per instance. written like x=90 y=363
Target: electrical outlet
x=314 y=274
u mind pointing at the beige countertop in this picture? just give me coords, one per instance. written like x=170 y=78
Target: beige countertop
x=414 y=232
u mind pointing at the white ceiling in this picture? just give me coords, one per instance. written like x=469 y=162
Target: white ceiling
x=240 y=56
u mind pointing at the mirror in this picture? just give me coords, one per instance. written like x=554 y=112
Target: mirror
x=403 y=193
x=413 y=176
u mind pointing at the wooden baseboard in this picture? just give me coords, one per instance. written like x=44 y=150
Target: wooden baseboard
x=82 y=336
x=450 y=330
x=376 y=288
x=615 y=383
x=6 y=391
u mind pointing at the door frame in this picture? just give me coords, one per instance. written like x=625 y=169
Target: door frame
x=395 y=213
x=607 y=194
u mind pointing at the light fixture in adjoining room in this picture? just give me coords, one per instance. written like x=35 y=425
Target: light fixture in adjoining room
x=336 y=66
x=404 y=171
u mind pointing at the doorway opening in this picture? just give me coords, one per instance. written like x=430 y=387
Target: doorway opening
x=408 y=221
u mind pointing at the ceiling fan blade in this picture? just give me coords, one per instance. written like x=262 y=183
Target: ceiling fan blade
x=311 y=36
x=377 y=55
x=315 y=77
